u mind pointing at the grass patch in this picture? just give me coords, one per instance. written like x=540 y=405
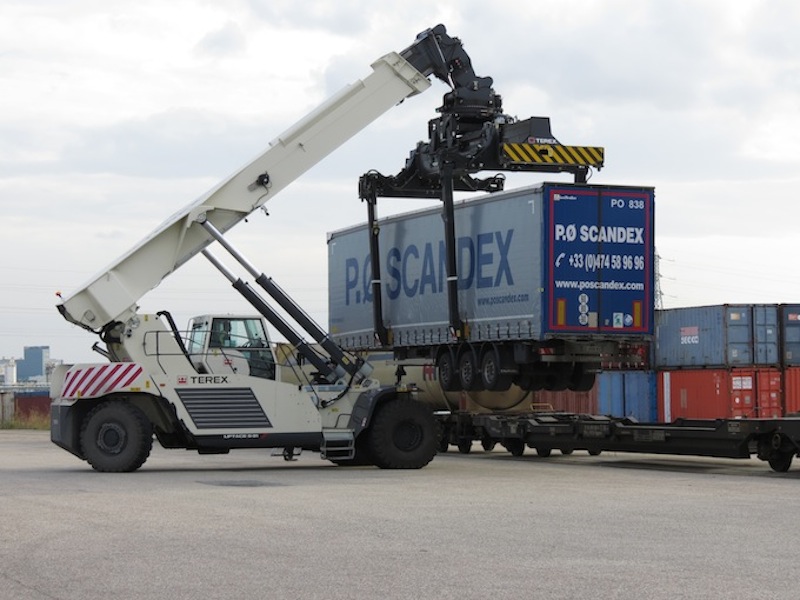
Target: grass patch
x=33 y=420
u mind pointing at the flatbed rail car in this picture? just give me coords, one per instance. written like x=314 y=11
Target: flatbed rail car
x=776 y=441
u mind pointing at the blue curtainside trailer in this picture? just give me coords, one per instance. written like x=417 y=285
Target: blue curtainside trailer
x=554 y=281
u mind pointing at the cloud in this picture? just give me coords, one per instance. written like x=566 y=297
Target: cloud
x=227 y=41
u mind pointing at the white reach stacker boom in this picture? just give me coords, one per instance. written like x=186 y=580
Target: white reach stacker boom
x=218 y=388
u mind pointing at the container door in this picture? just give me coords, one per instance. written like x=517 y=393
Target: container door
x=739 y=327
x=610 y=393
x=769 y=394
x=640 y=395
x=791 y=391
x=790 y=334
x=599 y=264
x=743 y=393
x=765 y=334
x=695 y=394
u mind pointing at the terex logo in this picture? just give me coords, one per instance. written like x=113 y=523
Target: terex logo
x=202 y=379
x=690 y=335
x=483 y=262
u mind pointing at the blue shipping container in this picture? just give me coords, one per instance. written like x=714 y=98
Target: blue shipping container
x=628 y=394
x=725 y=335
x=790 y=334
x=535 y=263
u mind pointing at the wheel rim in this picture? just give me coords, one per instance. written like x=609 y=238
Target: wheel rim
x=489 y=372
x=111 y=438
x=467 y=371
x=407 y=436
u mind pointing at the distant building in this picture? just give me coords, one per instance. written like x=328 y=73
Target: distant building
x=8 y=371
x=34 y=365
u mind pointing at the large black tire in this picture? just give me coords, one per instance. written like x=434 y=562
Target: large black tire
x=403 y=435
x=492 y=376
x=581 y=381
x=116 y=437
x=515 y=446
x=469 y=373
x=781 y=462
x=448 y=371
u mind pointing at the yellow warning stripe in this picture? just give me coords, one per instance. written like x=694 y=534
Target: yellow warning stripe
x=552 y=154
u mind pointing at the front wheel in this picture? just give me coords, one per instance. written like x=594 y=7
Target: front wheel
x=116 y=437
x=515 y=446
x=403 y=435
x=781 y=462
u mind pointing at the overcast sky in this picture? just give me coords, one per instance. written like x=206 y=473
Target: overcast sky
x=113 y=115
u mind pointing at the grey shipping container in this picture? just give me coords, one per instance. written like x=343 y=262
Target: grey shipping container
x=790 y=334
x=725 y=335
x=628 y=394
x=543 y=262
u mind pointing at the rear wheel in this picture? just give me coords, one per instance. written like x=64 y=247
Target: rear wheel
x=582 y=378
x=492 y=376
x=464 y=445
x=781 y=462
x=448 y=372
x=403 y=435
x=116 y=437
x=515 y=447
x=468 y=371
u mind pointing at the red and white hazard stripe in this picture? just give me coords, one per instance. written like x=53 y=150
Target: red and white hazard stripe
x=98 y=380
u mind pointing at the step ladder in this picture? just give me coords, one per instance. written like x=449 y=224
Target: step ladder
x=338 y=444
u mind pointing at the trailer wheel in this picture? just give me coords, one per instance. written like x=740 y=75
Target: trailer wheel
x=543 y=451
x=448 y=372
x=468 y=371
x=488 y=444
x=403 y=435
x=116 y=437
x=595 y=452
x=515 y=447
x=581 y=381
x=780 y=462
x=465 y=446
x=492 y=376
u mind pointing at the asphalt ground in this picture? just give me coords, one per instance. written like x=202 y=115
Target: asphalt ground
x=486 y=525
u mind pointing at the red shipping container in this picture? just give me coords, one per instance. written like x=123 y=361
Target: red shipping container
x=752 y=392
x=791 y=390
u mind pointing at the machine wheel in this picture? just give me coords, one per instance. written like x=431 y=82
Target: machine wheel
x=543 y=452
x=116 y=437
x=515 y=447
x=448 y=372
x=558 y=378
x=492 y=376
x=781 y=462
x=531 y=380
x=469 y=374
x=403 y=435
x=581 y=381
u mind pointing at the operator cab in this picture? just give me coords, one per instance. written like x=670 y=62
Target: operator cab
x=222 y=344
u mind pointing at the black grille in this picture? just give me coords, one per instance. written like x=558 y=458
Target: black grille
x=215 y=408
